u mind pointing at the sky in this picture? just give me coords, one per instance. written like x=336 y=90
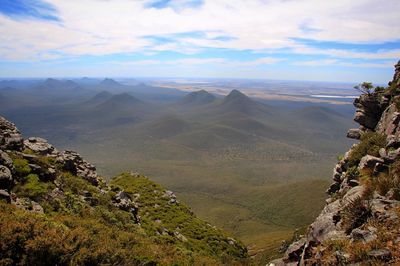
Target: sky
x=341 y=40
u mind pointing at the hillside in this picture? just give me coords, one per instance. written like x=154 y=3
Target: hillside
x=360 y=224
x=56 y=210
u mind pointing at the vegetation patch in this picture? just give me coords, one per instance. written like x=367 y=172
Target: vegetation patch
x=370 y=144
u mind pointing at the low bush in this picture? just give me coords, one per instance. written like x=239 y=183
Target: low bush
x=32 y=188
x=370 y=144
x=355 y=214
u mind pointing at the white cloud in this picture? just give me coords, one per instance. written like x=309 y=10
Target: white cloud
x=98 y=27
x=336 y=62
x=201 y=61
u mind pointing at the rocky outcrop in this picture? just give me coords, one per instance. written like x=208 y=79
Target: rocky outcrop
x=40 y=146
x=10 y=137
x=33 y=150
x=75 y=164
x=354 y=203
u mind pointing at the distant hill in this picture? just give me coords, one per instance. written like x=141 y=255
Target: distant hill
x=237 y=102
x=107 y=82
x=51 y=83
x=121 y=100
x=99 y=98
x=198 y=98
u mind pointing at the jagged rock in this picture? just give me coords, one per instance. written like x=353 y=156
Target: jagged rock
x=326 y=225
x=6 y=179
x=369 y=161
x=363 y=235
x=4 y=195
x=6 y=161
x=123 y=201
x=380 y=254
x=39 y=145
x=10 y=137
x=74 y=163
x=354 y=133
x=369 y=110
x=294 y=251
x=389 y=122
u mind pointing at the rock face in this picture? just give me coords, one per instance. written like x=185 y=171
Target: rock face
x=356 y=206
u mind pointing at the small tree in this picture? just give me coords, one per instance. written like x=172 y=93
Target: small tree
x=365 y=87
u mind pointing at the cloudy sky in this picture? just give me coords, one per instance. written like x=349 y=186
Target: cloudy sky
x=341 y=40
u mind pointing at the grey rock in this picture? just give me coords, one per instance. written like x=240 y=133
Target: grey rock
x=326 y=226
x=294 y=251
x=389 y=121
x=27 y=204
x=380 y=254
x=10 y=137
x=75 y=164
x=6 y=161
x=354 y=133
x=39 y=145
x=369 y=161
x=6 y=179
x=363 y=235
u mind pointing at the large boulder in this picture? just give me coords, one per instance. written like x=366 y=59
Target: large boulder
x=10 y=137
x=40 y=146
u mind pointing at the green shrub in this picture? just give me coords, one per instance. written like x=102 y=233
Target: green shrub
x=21 y=167
x=32 y=187
x=370 y=144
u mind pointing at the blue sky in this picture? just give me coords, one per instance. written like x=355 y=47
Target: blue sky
x=339 y=40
